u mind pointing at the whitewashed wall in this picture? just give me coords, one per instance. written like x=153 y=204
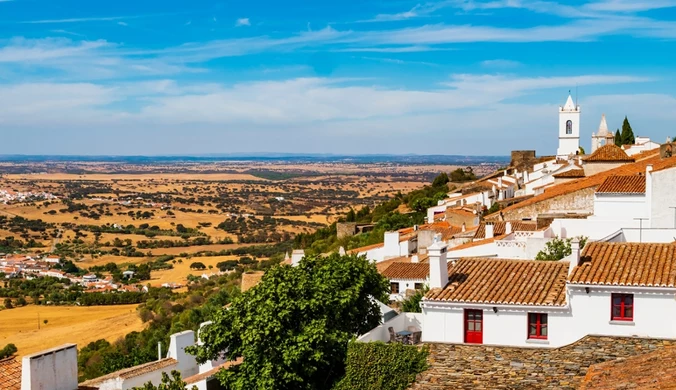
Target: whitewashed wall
x=399 y=323
x=53 y=369
x=620 y=206
x=663 y=197
x=405 y=284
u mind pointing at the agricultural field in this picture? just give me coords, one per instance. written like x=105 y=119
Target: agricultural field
x=65 y=324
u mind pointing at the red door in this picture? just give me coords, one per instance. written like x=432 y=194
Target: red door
x=474 y=326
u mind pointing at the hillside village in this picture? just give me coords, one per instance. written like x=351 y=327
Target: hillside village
x=554 y=272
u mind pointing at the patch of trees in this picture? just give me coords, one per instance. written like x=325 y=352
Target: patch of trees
x=626 y=137
x=7 y=351
x=148 y=244
x=462 y=175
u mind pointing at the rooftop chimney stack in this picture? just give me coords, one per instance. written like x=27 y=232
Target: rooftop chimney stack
x=438 y=265
x=414 y=259
x=508 y=227
x=489 y=230
x=464 y=227
x=391 y=244
x=296 y=256
x=159 y=350
x=575 y=255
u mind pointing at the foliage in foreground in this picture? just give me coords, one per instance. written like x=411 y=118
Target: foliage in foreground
x=558 y=249
x=380 y=366
x=9 y=350
x=412 y=303
x=292 y=330
x=168 y=383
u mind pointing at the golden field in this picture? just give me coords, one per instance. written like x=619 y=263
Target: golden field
x=66 y=324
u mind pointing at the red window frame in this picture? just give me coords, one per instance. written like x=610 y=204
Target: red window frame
x=538 y=326
x=394 y=287
x=622 y=307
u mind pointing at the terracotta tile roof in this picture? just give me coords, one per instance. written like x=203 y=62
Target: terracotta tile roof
x=608 y=153
x=633 y=184
x=474 y=243
x=597 y=179
x=499 y=228
x=461 y=212
x=627 y=264
x=133 y=372
x=209 y=374
x=382 y=266
x=573 y=173
x=654 y=370
x=407 y=271
x=365 y=248
x=502 y=281
x=444 y=228
x=10 y=374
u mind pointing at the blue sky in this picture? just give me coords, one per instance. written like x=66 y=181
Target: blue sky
x=358 y=77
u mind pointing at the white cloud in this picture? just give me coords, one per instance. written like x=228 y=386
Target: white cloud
x=79 y=20
x=122 y=24
x=500 y=64
x=23 y=50
x=242 y=22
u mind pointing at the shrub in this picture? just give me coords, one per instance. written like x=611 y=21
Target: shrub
x=380 y=366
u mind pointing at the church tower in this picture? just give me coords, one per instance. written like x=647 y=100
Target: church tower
x=603 y=137
x=569 y=129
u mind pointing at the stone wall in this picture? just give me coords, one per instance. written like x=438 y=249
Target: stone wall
x=346 y=229
x=460 y=366
x=581 y=202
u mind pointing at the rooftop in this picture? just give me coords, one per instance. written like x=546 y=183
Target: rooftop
x=608 y=153
x=654 y=370
x=652 y=157
x=503 y=281
x=628 y=184
x=407 y=271
x=570 y=174
x=627 y=264
x=500 y=227
x=133 y=372
x=10 y=374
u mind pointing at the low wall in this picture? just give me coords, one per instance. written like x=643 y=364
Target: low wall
x=461 y=366
x=400 y=322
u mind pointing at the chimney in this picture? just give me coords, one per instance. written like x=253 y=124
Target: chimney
x=438 y=265
x=425 y=238
x=296 y=256
x=489 y=230
x=575 y=255
x=464 y=227
x=391 y=244
x=187 y=365
x=341 y=251
x=649 y=193
x=508 y=227
x=159 y=350
x=53 y=369
x=414 y=259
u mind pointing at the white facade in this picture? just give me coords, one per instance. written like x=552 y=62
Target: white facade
x=663 y=199
x=569 y=129
x=53 y=369
x=404 y=285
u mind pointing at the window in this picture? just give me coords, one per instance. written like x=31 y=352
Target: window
x=394 y=288
x=569 y=127
x=537 y=326
x=622 y=307
x=418 y=286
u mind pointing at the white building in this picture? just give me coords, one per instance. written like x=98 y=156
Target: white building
x=611 y=289
x=569 y=129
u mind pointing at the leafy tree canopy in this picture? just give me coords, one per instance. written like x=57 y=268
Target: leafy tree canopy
x=292 y=330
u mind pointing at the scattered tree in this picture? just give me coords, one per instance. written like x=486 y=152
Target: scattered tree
x=8 y=303
x=412 y=303
x=8 y=350
x=618 y=138
x=292 y=329
x=441 y=180
x=198 y=265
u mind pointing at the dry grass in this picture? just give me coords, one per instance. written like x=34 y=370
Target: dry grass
x=180 y=272
x=66 y=324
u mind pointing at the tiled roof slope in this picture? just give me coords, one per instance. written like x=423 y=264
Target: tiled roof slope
x=10 y=374
x=608 y=153
x=597 y=179
x=627 y=264
x=383 y=265
x=132 y=372
x=573 y=173
x=499 y=228
x=501 y=281
x=649 y=371
x=632 y=184
x=407 y=271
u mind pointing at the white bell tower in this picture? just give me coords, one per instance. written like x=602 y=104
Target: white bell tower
x=569 y=129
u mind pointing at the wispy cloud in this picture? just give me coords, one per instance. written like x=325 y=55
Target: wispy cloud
x=124 y=24
x=398 y=61
x=78 y=20
x=500 y=64
x=242 y=22
x=21 y=50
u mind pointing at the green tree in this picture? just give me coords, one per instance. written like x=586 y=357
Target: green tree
x=8 y=303
x=558 y=249
x=8 y=350
x=441 y=180
x=168 y=383
x=412 y=303
x=292 y=329
x=627 y=133
x=198 y=265
x=618 y=138
x=351 y=216
x=581 y=150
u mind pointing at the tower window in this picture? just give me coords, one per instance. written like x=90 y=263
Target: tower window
x=569 y=127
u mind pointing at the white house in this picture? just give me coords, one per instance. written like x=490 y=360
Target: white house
x=406 y=278
x=612 y=289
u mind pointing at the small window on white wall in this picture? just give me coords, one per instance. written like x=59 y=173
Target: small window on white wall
x=569 y=127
